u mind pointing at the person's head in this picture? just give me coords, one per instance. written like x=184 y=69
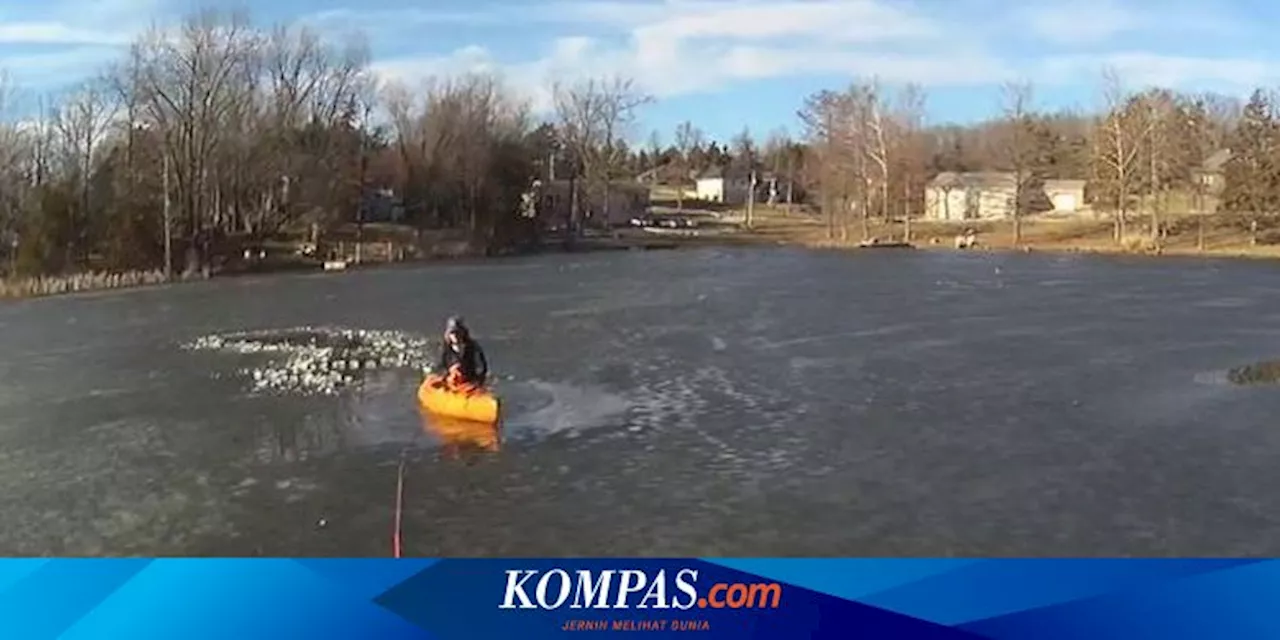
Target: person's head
x=455 y=331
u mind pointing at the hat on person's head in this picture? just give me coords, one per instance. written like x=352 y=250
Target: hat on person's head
x=455 y=325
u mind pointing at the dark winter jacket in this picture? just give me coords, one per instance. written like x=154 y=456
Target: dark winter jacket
x=470 y=358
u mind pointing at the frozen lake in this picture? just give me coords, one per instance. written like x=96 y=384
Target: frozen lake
x=692 y=403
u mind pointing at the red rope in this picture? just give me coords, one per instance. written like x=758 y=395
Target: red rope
x=395 y=535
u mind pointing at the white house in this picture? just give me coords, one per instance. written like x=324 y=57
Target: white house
x=990 y=196
x=626 y=200
x=969 y=196
x=1209 y=175
x=1066 y=196
x=728 y=186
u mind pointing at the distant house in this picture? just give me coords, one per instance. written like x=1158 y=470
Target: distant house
x=970 y=196
x=1066 y=196
x=990 y=196
x=774 y=188
x=1210 y=175
x=733 y=185
x=627 y=200
x=653 y=176
x=381 y=205
x=724 y=185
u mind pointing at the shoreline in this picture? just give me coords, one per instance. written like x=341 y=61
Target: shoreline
x=49 y=286
x=57 y=286
x=1219 y=253
x=774 y=231
x=1207 y=254
x=1223 y=237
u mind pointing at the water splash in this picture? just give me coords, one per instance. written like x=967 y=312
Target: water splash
x=565 y=409
x=318 y=360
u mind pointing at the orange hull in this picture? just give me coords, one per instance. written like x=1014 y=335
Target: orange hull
x=458 y=435
x=475 y=405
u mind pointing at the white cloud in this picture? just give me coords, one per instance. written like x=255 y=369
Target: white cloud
x=674 y=47
x=1087 y=23
x=35 y=73
x=853 y=21
x=50 y=45
x=1095 y=22
x=1140 y=69
x=48 y=32
x=76 y=22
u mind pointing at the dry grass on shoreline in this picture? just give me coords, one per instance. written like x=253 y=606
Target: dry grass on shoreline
x=40 y=286
x=1223 y=237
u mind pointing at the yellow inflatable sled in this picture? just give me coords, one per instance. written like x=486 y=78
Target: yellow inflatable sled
x=475 y=404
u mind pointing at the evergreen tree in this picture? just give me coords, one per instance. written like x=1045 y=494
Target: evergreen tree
x=1250 y=174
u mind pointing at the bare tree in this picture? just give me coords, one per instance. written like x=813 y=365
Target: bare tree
x=910 y=115
x=868 y=153
x=1251 y=172
x=459 y=146
x=877 y=136
x=122 y=81
x=245 y=131
x=655 y=154
x=80 y=125
x=795 y=158
x=189 y=83
x=834 y=129
x=777 y=148
x=226 y=132
x=688 y=138
x=1121 y=135
x=594 y=116
x=317 y=86
x=1018 y=150
x=746 y=161
x=1165 y=118
x=15 y=155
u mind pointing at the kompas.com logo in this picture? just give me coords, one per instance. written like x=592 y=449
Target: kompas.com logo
x=586 y=589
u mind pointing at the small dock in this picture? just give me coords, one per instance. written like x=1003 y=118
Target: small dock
x=608 y=243
x=877 y=244
x=602 y=244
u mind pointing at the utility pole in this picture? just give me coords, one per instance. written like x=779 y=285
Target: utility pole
x=361 y=198
x=575 y=206
x=791 y=177
x=551 y=166
x=572 y=232
x=168 y=229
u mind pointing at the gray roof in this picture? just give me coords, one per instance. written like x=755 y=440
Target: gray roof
x=1064 y=185
x=1217 y=160
x=616 y=185
x=731 y=172
x=650 y=174
x=975 y=180
x=711 y=173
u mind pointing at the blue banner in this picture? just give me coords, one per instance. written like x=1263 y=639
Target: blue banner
x=193 y=599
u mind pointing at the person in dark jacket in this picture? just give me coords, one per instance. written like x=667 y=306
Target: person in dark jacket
x=461 y=358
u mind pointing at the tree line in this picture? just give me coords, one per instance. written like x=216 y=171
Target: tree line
x=869 y=156
x=221 y=130
x=865 y=152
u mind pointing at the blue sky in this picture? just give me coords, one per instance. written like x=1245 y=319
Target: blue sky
x=727 y=64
